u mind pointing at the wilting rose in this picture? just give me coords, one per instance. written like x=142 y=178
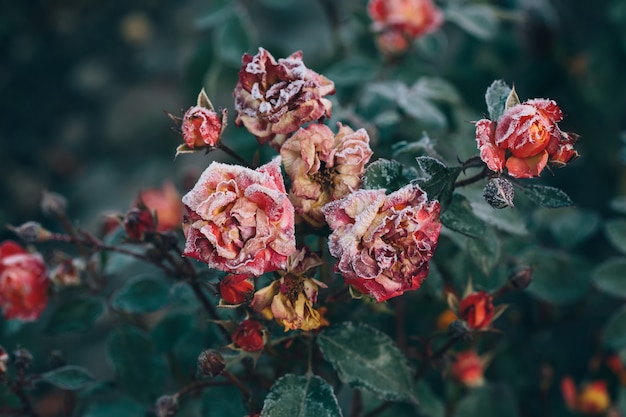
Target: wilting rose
x=289 y=300
x=477 y=310
x=525 y=139
x=324 y=167
x=23 y=282
x=468 y=369
x=383 y=242
x=250 y=336
x=165 y=201
x=236 y=288
x=240 y=220
x=274 y=99
x=412 y=18
x=593 y=399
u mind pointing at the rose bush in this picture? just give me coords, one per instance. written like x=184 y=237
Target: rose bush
x=383 y=242
x=240 y=220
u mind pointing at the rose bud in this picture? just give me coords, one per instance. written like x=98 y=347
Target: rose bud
x=250 y=336
x=211 y=363
x=166 y=203
x=412 y=18
x=23 y=282
x=477 y=310
x=525 y=139
x=468 y=369
x=31 y=232
x=593 y=399
x=22 y=359
x=459 y=329
x=236 y=288
x=392 y=42
x=53 y=204
x=201 y=127
x=166 y=406
x=138 y=222
x=499 y=193
x=521 y=277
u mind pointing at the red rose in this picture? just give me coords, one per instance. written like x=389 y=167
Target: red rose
x=236 y=288
x=201 y=127
x=138 y=222
x=413 y=18
x=468 y=369
x=477 y=310
x=23 y=283
x=250 y=336
x=525 y=139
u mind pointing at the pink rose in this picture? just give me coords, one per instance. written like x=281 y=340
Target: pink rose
x=273 y=99
x=23 y=282
x=525 y=139
x=324 y=167
x=240 y=220
x=201 y=127
x=412 y=18
x=383 y=242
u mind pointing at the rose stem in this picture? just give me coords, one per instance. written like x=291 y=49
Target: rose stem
x=234 y=154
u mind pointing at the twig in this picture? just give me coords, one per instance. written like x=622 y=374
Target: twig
x=438 y=354
x=234 y=154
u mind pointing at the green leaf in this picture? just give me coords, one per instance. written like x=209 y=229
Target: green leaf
x=437 y=179
x=120 y=407
x=571 y=226
x=507 y=220
x=384 y=173
x=233 y=40
x=68 y=377
x=496 y=96
x=610 y=277
x=141 y=294
x=434 y=88
x=424 y=145
x=488 y=401
x=352 y=71
x=365 y=357
x=615 y=331
x=302 y=396
x=615 y=231
x=430 y=405
x=170 y=330
x=461 y=218
x=558 y=278
x=139 y=370
x=545 y=196
x=618 y=204
x=75 y=316
x=421 y=109
x=479 y=20
x=485 y=252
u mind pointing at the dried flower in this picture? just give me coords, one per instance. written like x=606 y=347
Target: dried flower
x=274 y=99
x=383 y=242
x=211 y=363
x=324 y=167
x=240 y=220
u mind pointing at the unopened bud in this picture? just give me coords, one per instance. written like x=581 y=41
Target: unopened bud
x=521 y=277
x=211 y=363
x=166 y=406
x=53 y=204
x=459 y=329
x=31 y=232
x=137 y=222
x=56 y=359
x=22 y=359
x=499 y=193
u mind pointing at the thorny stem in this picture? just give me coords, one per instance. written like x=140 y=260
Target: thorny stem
x=234 y=154
x=206 y=303
x=242 y=388
x=474 y=178
x=196 y=386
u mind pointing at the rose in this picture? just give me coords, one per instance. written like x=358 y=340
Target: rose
x=468 y=369
x=411 y=18
x=593 y=398
x=236 y=289
x=250 y=336
x=23 y=282
x=383 y=242
x=274 y=99
x=477 y=310
x=201 y=127
x=525 y=139
x=324 y=167
x=165 y=201
x=240 y=220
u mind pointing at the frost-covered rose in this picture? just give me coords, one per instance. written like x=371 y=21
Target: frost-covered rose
x=411 y=18
x=240 y=220
x=525 y=139
x=23 y=283
x=201 y=127
x=383 y=242
x=274 y=99
x=323 y=167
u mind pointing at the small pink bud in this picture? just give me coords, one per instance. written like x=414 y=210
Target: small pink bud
x=201 y=127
